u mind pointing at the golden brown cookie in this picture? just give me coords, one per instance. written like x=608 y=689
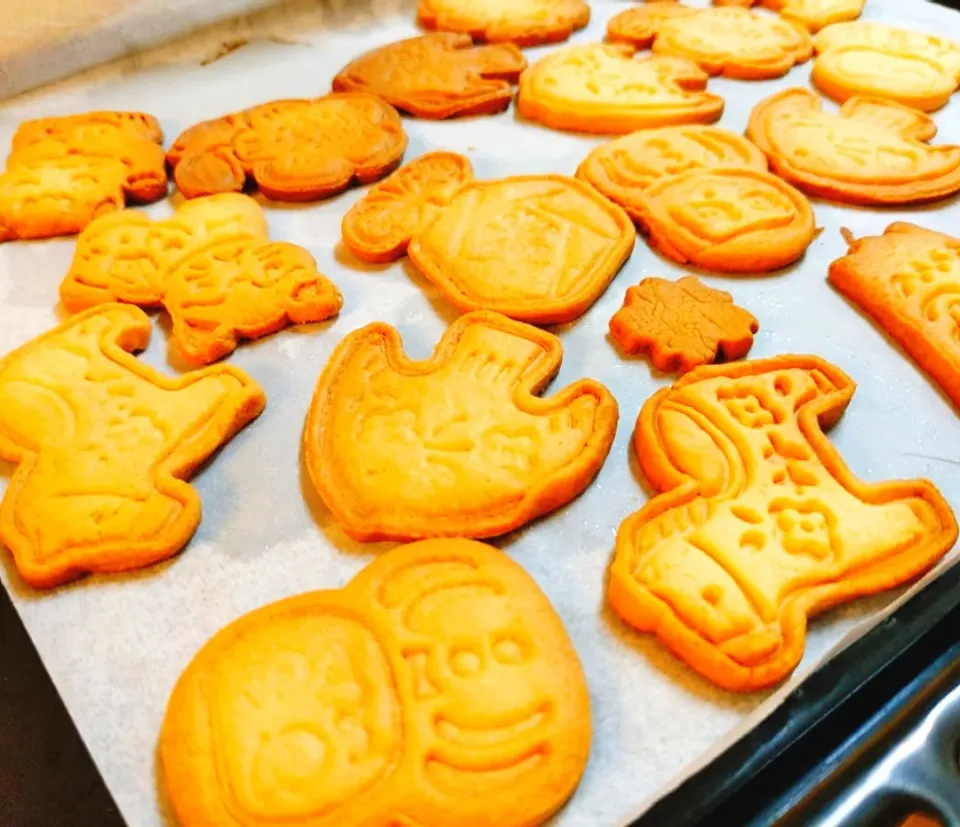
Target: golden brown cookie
x=732 y=220
x=439 y=75
x=638 y=25
x=294 y=150
x=872 y=152
x=63 y=172
x=524 y=22
x=813 y=15
x=759 y=523
x=438 y=687
x=602 y=88
x=908 y=280
x=537 y=248
x=682 y=324
x=103 y=445
x=624 y=167
x=379 y=226
x=873 y=59
x=458 y=445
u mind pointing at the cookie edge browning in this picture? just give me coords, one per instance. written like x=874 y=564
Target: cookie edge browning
x=545 y=496
x=529 y=310
x=520 y=36
x=133 y=330
x=648 y=613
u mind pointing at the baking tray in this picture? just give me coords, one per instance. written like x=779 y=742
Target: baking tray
x=115 y=645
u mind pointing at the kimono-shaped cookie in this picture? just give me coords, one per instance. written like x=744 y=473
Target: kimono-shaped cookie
x=437 y=75
x=524 y=22
x=64 y=172
x=537 y=248
x=873 y=59
x=437 y=687
x=458 y=445
x=811 y=14
x=103 y=445
x=872 y=152
x=602 y=88
x=294 y=150
x=908 y=280
x=624 y=167
x=760 y=524
x=378 y=228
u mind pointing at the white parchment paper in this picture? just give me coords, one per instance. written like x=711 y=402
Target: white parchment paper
x=115 y=645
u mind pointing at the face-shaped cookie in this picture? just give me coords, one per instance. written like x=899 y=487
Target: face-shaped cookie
x=295 y=150
x=458 y=445
x=728 y=219
x=811 y=14
x=908 y=280
x=872 y=152
x=437 y=75
x=103 y=445
x=761 y=524
x=624 y=167
x=524 y=22
x=64 y=172
x=537 y=248
x=602 y=88
x=873 y=59
x=379 y=226
x=437 y=687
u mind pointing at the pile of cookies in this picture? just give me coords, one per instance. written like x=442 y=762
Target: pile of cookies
x=439 y=687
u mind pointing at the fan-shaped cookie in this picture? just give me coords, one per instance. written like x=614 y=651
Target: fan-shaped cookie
x=524 y=22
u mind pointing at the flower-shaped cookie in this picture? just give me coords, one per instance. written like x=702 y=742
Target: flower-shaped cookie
x=437 y=75
x=458 y=445
x=872 y=152
x=524 y=22
x=295 y=150
x=760 y=524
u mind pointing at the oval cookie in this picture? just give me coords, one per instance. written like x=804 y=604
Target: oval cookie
x=437 y=687
x=624 y=167
x=602 y=88
x=728 y=220
x=537 y=248
x=524 y=22
x=872 y=152
x=458 y=445
x=437 y=75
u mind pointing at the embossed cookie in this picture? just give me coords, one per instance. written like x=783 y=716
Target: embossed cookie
x=908 y=280
x=682 y=324
x=811 y=14
x=378 y=228
x=437 y=687
x=874 y=59
x=294 y=150
x=437 y=76
x=873 y=152
x=537 y=248
x=524 y=22
x=63 y=172
x=624 y=167
x=103 y=445
x=458 y=445
x=737 y=220
x=638 y=26
x=602 y=88
x=760 y=524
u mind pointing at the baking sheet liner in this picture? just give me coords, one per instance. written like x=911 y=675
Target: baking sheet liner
x=114 y=645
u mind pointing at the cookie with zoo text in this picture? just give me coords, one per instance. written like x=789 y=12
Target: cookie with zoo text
x=294 y=150
x=458 y=445
x=64 y=172
x=861 y=58
x=103 y=446
x=759 y=524
x=624 y=167
x=872 y=152
x=638 y=25
x=601 y=87
x=813 y=15
x=537 y=248
x=524 y=22
x=378 y=228
x=728 y=219
x=908 y=280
